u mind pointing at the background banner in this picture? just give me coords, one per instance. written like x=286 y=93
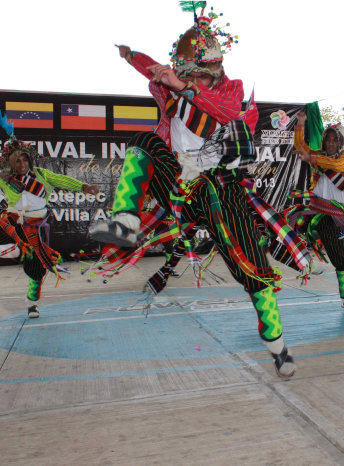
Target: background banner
x=85 y=136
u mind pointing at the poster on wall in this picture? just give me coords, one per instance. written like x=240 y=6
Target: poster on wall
x=277 y=171
x=85 y=136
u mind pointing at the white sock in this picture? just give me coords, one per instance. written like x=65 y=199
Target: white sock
x=275 y=346
x=131 y=221
x=30 y=303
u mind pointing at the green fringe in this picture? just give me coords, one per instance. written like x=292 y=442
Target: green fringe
x=191 y=5
x=34 y=289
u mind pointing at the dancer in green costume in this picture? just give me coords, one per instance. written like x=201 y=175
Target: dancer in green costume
x=26 y=189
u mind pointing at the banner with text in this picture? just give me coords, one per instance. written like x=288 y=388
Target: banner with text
x=85 y=136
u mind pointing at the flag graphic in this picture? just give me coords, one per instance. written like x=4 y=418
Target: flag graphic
x=30 y=114
x=128 y=118
x=250 y=115
x=76 y=116
x=250 y=100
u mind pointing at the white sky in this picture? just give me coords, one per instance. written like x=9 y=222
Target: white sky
x=290 y=50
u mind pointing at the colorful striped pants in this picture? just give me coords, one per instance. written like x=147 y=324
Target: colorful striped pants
x=159 y=183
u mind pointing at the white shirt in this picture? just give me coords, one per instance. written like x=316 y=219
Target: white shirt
x=185 y=141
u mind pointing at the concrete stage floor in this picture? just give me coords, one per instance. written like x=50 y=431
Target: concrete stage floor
x=94 y=381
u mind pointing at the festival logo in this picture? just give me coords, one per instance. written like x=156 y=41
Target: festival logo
x=278 y=136
x=279 y=119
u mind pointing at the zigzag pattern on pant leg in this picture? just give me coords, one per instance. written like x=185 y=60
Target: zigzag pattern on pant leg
x=34 y=289
x=265 y=303
x=340 y=278
x=134 y=182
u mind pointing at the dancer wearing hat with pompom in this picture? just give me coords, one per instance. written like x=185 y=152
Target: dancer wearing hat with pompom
x=193 y=166
x=26 y=189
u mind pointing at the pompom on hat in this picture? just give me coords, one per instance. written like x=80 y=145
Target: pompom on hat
x=201 y=48
x=15 y=147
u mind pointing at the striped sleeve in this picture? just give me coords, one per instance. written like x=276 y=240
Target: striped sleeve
x=140 y=61
x=299 y=139
x=61 y=181
x=329 y=163
x=223 y=101
x=318 y=161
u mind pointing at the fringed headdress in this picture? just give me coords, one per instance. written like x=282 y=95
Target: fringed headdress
x=201 y=47
x=13 y=144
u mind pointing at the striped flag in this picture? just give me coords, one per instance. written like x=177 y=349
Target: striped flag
x=250 y=115
x=30 y=114
x=129 y=118
x=77 y=116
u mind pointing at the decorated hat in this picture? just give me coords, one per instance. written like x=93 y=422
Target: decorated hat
x=13 y=147
x=201 y=48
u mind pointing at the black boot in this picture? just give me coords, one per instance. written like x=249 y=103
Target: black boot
x=284 y=363
x=33 y=312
